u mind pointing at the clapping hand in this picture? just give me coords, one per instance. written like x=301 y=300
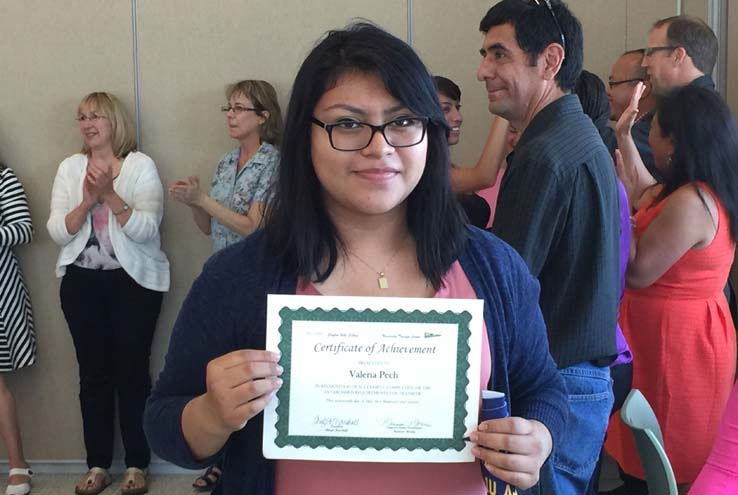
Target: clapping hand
x=513 y=449
x=186 y=191
x=99 y=180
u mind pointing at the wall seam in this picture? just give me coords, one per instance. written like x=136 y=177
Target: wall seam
x=410 y=23
x=136 y=87
x=717 y=18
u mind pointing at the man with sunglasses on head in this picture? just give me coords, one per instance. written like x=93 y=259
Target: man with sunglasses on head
x=626 y=72
x=558 y=207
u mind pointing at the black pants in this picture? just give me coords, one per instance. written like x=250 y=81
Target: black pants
x=112 y=321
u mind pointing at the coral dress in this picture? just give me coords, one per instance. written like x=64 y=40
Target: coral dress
x=684 y=351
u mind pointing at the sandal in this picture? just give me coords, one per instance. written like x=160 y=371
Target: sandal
x=96 y=480
x=209 y=479
x=22 y=488
x=134 y=482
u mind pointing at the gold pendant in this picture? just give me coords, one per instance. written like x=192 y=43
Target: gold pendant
x=382 y=280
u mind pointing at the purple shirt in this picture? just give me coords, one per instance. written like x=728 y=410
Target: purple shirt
x=624 y=354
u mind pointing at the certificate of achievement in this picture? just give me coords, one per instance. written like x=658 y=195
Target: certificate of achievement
x=378 y=379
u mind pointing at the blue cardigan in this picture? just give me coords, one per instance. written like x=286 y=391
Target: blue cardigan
x=226 y=310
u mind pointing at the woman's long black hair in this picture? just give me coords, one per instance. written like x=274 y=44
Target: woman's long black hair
x=705 y=136
x=297 y=226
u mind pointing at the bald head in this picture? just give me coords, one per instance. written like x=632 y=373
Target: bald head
x=625 y=74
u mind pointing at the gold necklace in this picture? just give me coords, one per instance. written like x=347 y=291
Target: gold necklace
x=382 y=281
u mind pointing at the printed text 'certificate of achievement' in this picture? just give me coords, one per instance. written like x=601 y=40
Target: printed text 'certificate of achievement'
x=379 y=379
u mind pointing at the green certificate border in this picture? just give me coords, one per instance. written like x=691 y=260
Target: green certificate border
x=288 y=316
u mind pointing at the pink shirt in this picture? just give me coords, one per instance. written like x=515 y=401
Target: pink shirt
x=490 y=195
x=719 y=476
x=364 y=478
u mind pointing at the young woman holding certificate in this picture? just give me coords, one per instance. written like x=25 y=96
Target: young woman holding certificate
x=363 y=207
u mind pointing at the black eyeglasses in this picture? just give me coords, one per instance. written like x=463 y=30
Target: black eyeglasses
x=238 y=109
x=612 y=83
x=547 y=3
x=647 y=52
x=351 y=135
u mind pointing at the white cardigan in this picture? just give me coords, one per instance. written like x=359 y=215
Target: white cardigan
x=137 y=244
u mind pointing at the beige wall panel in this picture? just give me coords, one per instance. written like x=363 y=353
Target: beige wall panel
x=189 y=51
x=697 y=8
x=640 y=17
x=604 y=25
x=447 y=38
x=732 y=55
x=53 y=53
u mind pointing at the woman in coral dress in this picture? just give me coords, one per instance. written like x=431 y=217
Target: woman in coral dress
x=674 y=313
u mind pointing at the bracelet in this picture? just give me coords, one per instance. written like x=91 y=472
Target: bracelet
x=125 y=209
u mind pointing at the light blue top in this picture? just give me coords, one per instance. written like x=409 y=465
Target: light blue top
x=236 y=191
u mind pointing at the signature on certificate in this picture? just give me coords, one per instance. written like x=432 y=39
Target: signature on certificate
x=404 y=424
x=334 y=422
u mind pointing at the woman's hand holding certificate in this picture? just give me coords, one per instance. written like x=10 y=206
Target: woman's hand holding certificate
x=239 y=386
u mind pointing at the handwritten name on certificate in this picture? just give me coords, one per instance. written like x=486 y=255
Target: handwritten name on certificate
x=378 y=379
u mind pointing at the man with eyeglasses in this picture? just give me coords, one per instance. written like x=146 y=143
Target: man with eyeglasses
x=558 y=207
x=626 y=72
x=681 y=50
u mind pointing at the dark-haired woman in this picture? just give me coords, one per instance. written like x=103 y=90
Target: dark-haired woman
x=674 y=313
x=363 y=189
x=243 y=178
x=17 y=338
x=476 y=186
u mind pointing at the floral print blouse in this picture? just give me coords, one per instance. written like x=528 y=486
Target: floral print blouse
x=236 y=191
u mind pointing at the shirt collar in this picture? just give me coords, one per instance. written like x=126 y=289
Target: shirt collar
x=549 y=116
x=704 y=81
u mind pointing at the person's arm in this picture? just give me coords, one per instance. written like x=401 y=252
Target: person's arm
x=204 y=207
x=141 y=221
x=532 y=209
x=18 y=227
x=240 y=384
x=240 y=224
x=209 y=385
x=102 y=180
x=64 y=221
x=202 y=219
x=484 y=173
x=682 y=224
x=630 y=167
x=515 y=448
x=181 y=191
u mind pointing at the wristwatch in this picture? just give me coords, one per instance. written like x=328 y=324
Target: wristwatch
x=123 y=210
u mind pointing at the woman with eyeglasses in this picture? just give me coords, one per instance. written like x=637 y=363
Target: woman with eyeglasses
x=106 y=206
x=363 y=207
x=674 y=313
x=242 y=182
